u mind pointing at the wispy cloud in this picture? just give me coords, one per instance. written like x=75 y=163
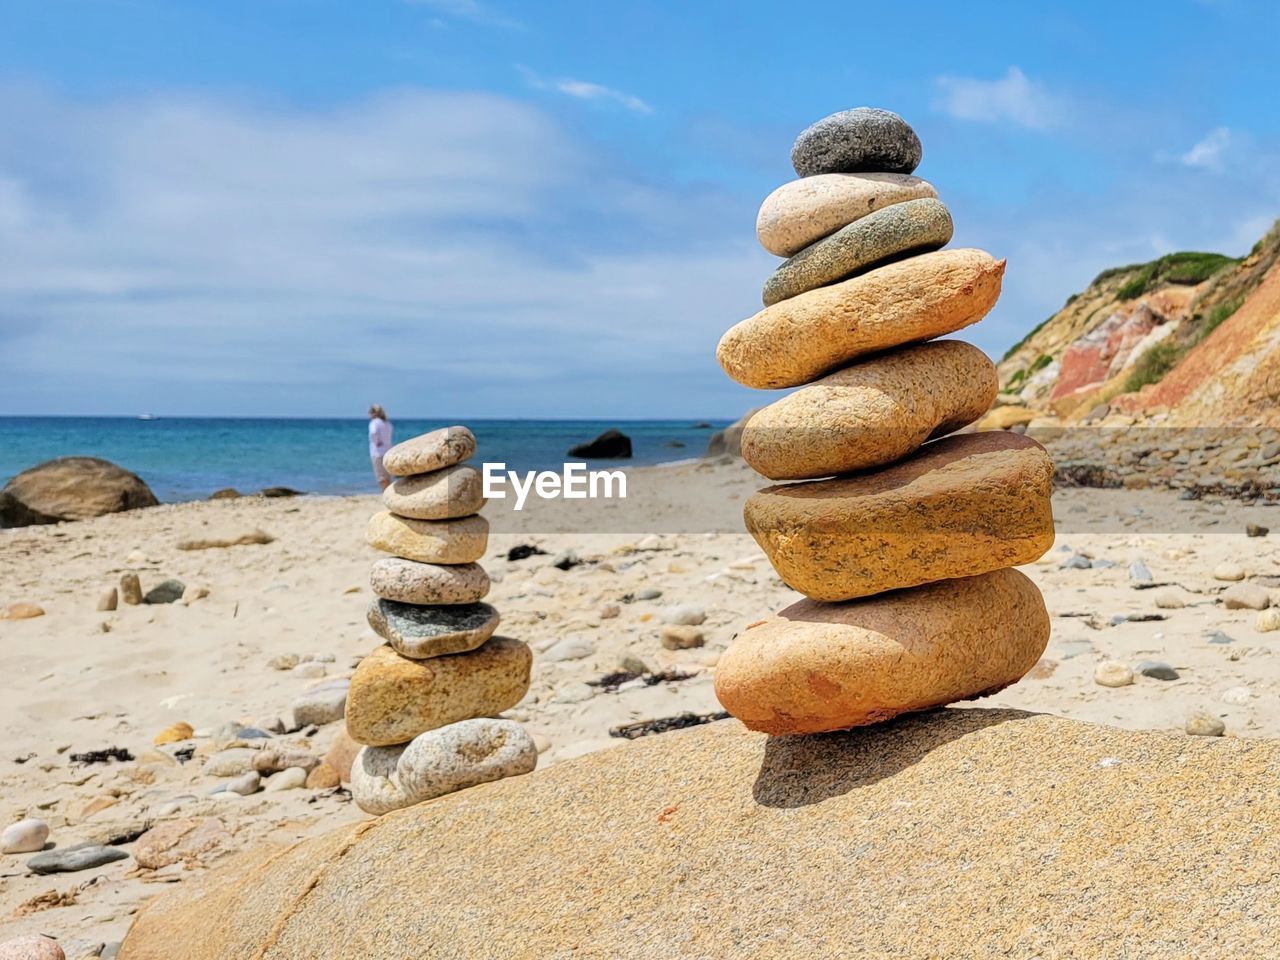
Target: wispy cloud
x=1207 y=153
x=470 y=10
x=1014 y=98
x=585 y=90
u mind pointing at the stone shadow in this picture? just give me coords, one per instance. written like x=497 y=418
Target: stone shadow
x=801 y=770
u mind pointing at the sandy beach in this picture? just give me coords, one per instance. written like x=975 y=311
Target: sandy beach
x=82 y=680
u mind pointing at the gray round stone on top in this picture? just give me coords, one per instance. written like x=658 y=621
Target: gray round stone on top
x=409 y=581
x=430 y=451
x=865 y=138
x=420 y=632
x=908 y=227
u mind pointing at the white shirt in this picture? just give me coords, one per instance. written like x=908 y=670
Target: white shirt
x=379 y=437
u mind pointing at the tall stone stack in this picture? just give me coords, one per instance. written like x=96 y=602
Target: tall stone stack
x=424 y=704
x=901 y=537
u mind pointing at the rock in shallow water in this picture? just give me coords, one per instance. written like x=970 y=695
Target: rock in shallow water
x=407 y=581
x=872 y=413
x=420 y=632
x=864 y=138
x=393 y=699
x=441 y=761
x=429 y=541
x=804 y=211
x=25 y=836
x=914 y=226
x=962 y=505
x=826 y=666
x=797 y=340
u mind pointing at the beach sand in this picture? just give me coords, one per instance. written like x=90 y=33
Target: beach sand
x=80 y=680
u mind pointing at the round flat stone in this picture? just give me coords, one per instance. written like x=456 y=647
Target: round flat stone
x=864 y=138
x=817 y=667
x=960 y=506
x=393 y=699
x=430 y=451
x=456 y=491
x=872 y=413
x=798 y=340
x=463 y=540
x=420 y=632
x=913 y=226
x=803 y=211
x=439 y=762
x=409 y=581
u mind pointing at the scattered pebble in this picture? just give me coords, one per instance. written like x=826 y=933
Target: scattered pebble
x=283 y=758
x=570 y=648
x=309 y=670
x=131 y=589
x=192 y=594
x=1112 y=673
x=1157 y=670
x=175 y=733
x=1244 y=596
x=1204 y=725
x=1139 y=573
x=1076 y=562
x=109 y=600
x=680 y=637
x=1268 y=620
x=1228 y=571
x=230 y=763
x=323 y=777
x=25 y=836
x=574 y=692
x=630 y=663
x=1237 y=696
x=31 y=947
x=686 y=614
x=1168 y=600
x=609 y=611
x=1219 y=637
x=168 y=591
x=84 y=856
x=320 y=706
x=285 y=661
x=290 y=779
x=22 y=611
x=246 y=784
x=1256 y=530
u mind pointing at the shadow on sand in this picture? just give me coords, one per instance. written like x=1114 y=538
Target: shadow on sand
x=802 y=770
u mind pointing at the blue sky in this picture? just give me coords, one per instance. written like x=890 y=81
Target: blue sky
x=474 y=208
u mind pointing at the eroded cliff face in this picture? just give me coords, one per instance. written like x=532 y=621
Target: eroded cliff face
x=1191 y=335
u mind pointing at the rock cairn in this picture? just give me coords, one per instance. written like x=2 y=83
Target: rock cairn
x=424 y=704
x=901 y=537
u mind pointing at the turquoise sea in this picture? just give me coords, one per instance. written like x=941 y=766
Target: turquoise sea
x=186 y=458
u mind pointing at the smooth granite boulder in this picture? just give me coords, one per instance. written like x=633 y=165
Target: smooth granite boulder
x=818 y=666
x=456 y=491
x=71 y=488
x=393 y=699
x=872 y=413
x=420 y=632
x=914 y=226
x=960 y=506
x=409 y=581
x=440 y=761
x=804 y=211
x=430 y=451
x=798 y=340
x=864 y=138
x=958 y=833
x=463 y=540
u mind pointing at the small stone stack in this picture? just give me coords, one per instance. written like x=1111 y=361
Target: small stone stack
x=424 y=703
x=903 y=542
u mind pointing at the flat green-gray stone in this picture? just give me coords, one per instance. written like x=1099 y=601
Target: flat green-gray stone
x=419 y=632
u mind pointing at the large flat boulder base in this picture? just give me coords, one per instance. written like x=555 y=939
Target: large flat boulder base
x=956 y=833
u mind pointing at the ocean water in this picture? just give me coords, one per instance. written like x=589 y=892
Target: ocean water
x=188 y=458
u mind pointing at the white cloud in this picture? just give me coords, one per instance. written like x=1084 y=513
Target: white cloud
x=1207 y=153
x=585 y=90
x=448 y=252
x=1014 y=98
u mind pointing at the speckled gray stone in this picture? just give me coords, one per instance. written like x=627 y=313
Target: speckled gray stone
x=85 y=856
x=865 y=138
x=911 y=226
x=440 y=761
x=419 y=632
x=456 y=491
x=409 y=581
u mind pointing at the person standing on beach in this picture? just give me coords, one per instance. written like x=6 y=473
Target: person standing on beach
x=379 y=443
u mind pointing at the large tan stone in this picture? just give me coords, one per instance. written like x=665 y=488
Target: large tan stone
x=805 y=210
x=456 y=491
x=430 y=451
x=463 y=540
x=961 y=506
x=827 y=666
x=872 y=413
x=393 y=699
x=959 y=833
x=909 y=301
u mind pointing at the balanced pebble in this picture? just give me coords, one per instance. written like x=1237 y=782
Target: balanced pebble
x=430 y=451
x=864 y=138
x=429 y=541
x=915 y=226
x=419 y=632
x=408 y=581
x=455 y=491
